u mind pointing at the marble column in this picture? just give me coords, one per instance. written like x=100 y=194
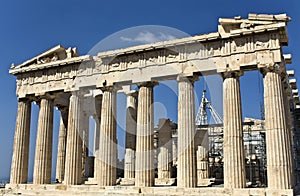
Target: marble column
x=84 y=120
x=289 y=125
x=164 y=158
x=144 y=171
x=19 y=164
x=130 y=141
x=108 y=140
x=62 y=141
x=234 y=158
x=186 y=164
x=277 y=142
x=129 y=161
x=73 y=166
x=43 y=151
x=97 y=118
x=202 y=163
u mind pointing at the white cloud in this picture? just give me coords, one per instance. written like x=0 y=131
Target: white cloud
x=148 y=37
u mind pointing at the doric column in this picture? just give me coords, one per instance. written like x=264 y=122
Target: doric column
x=43 y=151
x=73 y=168
x=129 y=161
x=234 y=158
x=186 y=165
x=97 y=118
x=289 y=124
x=62 y=141
x=144 y=171
x=277 y=141
x=164 y=157
x=84 y=121
x=108 y=141
x=130 y=141
x=202 y=164
x=19 y=164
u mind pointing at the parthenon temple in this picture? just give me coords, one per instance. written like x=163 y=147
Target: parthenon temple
x=62 y=78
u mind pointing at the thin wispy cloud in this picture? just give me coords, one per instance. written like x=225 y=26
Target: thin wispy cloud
x=148 y=37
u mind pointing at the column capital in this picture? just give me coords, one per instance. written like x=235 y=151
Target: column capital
x=47 y=96
x=232 y=74
x=25 y=99
x=132 y=93
x=278 y=68
x=192 y=79
x=147 y=84
x=80 y=92
x=109 y=88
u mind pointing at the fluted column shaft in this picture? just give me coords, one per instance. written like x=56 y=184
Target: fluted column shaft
x=164 y=157
x=202 y=163
x=97 y=118
x=289 y=126
x=62 y=141
x=164 y=162
x=186 y=166
x=19 y=164
x=43 y=152
x=144 y=173
x=73 y=166
x=130 y=141
x=277 y=142
x=234 y=158
x=108 y=141
x=129 y=161
x=84 y=121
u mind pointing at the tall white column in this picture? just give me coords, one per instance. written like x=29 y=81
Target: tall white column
x=129 y=161
x=277 y=141
x=289 y=124
x=62 y=141
x=43 y=151
x=164 y=157
x=108 y=140
x=73 y=166
x=19 y=163
x=130 y=141
x=186 y=165
x=234 y=158
x=97 y=118
x=144 y=171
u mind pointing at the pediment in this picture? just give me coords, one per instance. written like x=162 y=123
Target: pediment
x=54 y=54
x=238 y=25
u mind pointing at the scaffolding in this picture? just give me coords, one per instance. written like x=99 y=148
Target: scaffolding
x=254 y=144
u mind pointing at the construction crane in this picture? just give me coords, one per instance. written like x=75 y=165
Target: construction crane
x=201 y=118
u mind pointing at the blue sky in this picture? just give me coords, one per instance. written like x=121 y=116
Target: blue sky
x=33 y=26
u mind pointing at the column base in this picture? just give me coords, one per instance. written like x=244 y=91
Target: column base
x=205 y=182
x=165 y=181
x=127 y=181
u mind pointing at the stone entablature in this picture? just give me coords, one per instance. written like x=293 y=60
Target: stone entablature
x=239 y=44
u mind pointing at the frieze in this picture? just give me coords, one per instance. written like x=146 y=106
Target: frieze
x=57 y=68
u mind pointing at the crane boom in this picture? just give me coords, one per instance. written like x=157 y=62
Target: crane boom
x=201 y=117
